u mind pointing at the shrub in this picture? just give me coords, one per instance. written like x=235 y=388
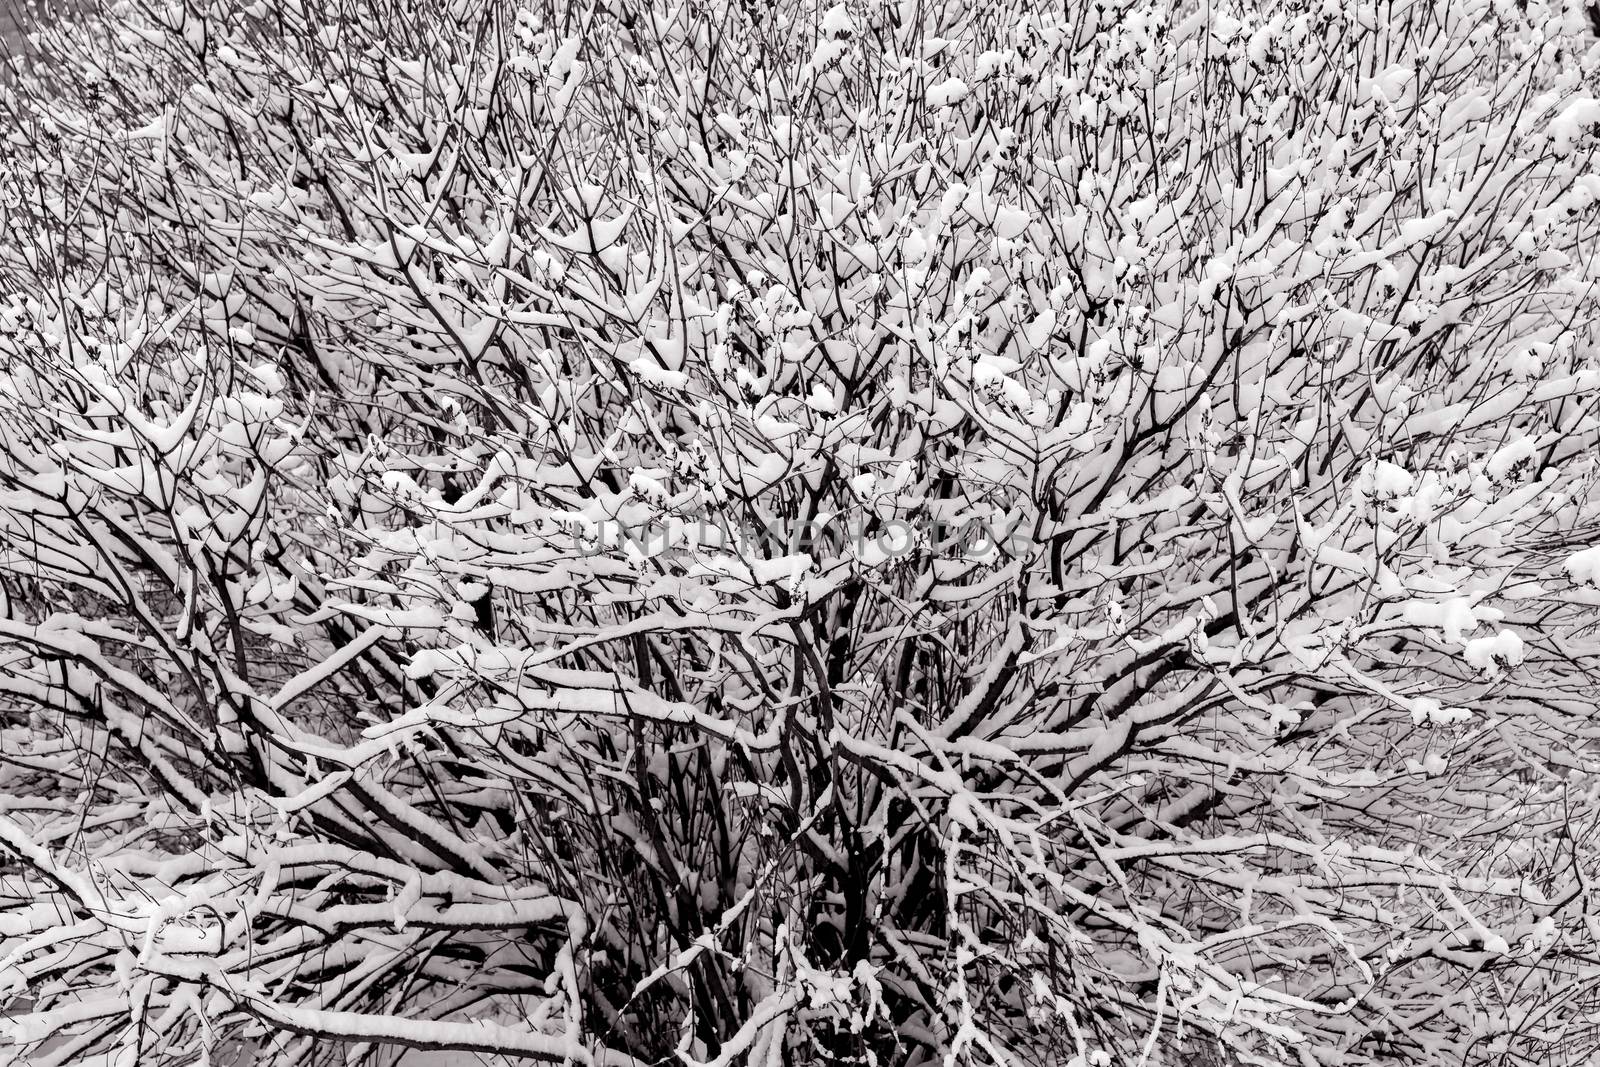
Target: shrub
x=779 y=534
